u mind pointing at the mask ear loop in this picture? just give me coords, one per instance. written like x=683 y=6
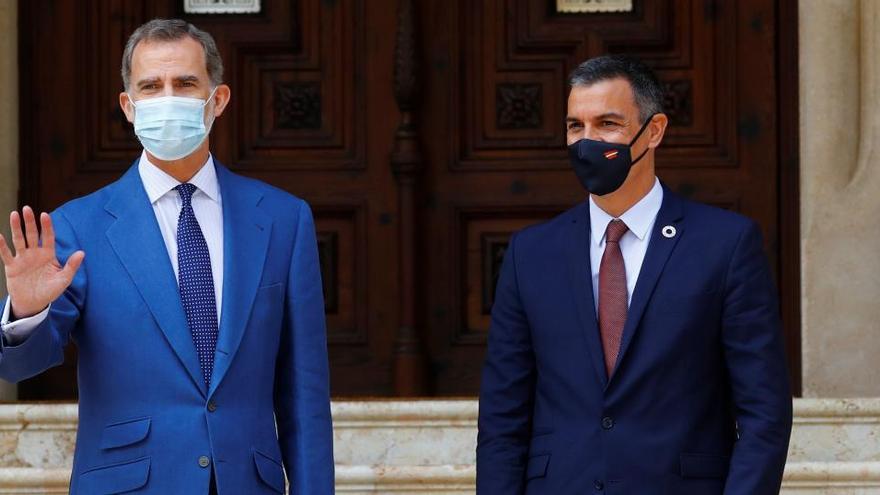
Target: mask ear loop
x=638 y=135
x=213 y=117
x=131 y=100
x=214 y=91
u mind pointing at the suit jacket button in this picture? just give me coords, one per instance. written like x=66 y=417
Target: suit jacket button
x=212 y=406
x=598 y=485
x=204 y=461
x=607 y=423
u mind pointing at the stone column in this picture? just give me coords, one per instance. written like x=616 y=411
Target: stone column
x=840 y=196
x=8 y=132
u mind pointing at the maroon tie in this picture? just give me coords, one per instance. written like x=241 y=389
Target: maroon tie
x=612 y=293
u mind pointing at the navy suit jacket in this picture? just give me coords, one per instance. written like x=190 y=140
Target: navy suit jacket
x=699 y=401
x=147 y=421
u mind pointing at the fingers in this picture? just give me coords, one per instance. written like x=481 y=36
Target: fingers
x=30 y=227
x=48 y=231
x=15 y=226
x=5 y=252
x=73 y=264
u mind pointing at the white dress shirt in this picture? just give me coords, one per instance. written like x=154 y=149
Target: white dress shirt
x=640 y=219
x=208 y=207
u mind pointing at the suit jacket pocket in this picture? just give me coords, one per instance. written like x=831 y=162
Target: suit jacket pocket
x=704 y=466
x=270 y=471
x=537 y=466
x=125 y=433
x=115 y=478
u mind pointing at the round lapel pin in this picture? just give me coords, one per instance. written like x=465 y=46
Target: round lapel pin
x=668 y=232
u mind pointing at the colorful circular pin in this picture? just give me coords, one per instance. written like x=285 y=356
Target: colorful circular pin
x=668 y=232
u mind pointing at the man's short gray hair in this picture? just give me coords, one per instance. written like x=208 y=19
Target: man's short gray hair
x=173 y=30
x=647 y=91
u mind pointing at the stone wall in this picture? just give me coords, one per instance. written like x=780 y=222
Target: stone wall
x=427 y=447
x=839 y=44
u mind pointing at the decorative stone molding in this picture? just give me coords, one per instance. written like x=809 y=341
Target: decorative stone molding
x=427 y=447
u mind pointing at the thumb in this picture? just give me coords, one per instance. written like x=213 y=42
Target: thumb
x=73 y=264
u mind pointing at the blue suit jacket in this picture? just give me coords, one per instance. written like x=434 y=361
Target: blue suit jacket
x=146 y=417
x=699 y=401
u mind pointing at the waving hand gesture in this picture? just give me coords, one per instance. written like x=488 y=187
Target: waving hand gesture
x=34 y=277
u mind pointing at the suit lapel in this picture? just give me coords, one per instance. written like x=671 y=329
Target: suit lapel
x=581 y=279
x=138 y=242
x=246 y=232
x=659 y=250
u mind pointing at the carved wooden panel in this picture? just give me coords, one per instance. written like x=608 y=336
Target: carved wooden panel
x=341 y=232
x=514 y=40
x=297 y=105
x=106 y=142
x=483 y=235
x=518 y=106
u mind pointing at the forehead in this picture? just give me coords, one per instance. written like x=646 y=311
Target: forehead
x=183 y=55
x=606 y=96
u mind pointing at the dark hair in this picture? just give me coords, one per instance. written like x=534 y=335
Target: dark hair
x=646 y=89
x=173 y=30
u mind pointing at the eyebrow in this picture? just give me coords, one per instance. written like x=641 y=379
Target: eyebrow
x=149 y=80
x=187 y=78
x=606 y=115
x=179 y=79
x=611 y=115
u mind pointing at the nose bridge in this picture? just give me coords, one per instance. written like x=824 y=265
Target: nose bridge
x=591 y=132
x=167 y=83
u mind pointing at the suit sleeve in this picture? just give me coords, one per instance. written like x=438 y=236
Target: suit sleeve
x=16 y=332
x=755 y=360
x=43 y=347
x=302 y=383
x=507 y=390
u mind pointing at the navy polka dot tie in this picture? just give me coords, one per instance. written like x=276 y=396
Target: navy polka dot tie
x=196 y=282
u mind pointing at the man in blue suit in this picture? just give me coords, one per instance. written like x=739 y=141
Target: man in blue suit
x=635 y=345
x=193 y=296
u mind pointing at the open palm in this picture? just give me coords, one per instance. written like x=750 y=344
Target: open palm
x=34 y=277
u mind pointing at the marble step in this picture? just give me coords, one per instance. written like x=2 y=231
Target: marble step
x=427 y=447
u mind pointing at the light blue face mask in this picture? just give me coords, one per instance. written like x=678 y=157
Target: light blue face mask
x=171 y=127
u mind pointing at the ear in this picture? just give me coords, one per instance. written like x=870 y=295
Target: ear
x=221 y=99
x=126 y=106
x=657 y=129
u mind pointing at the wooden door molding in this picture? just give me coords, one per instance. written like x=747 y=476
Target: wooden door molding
x=410 y=370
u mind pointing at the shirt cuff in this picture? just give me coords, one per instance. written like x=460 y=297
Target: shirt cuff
x=16 y=332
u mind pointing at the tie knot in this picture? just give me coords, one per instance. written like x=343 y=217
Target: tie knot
x=186 y=193
x=615 y=230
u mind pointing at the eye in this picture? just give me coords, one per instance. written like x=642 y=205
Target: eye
x=608 y=123
x=574 y=125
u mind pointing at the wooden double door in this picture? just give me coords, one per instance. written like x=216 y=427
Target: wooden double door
x=424 y=132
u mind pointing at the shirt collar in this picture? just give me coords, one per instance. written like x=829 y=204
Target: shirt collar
x=158 y=183
x=638 y=218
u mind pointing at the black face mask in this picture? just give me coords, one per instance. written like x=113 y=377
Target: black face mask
x=603 y=167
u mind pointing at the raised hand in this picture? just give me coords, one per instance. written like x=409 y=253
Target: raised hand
x=34 y=277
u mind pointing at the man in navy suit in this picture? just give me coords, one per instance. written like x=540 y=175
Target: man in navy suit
x=193 y=296
x=635 y=344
